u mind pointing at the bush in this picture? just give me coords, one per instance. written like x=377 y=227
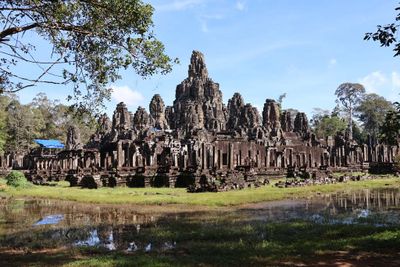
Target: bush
x=16 y=179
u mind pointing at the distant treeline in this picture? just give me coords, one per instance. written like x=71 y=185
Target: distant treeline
x=41 y=119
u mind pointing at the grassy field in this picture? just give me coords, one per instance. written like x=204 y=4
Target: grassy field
x=161 y=196
x=228 y=242
x=220 y=237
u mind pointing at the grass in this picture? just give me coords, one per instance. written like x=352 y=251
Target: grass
x=161 y=196
x=227 y=241
x=206 y=238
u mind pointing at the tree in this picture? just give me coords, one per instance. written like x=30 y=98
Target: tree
x=41 y=119
x=4 y=102
x=386 y=35
x=91 y=41
x=325 y=125
x=317 y=115
x=390 y=129
x=371 y=113
x=280 y=99
x=349 y=95
x=20 y=126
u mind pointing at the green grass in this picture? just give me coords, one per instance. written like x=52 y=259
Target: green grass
x=227 y=241
x=160 y=196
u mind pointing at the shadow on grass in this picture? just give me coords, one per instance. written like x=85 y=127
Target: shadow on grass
x=206 y=239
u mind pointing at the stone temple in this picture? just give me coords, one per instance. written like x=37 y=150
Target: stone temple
x=199 y=141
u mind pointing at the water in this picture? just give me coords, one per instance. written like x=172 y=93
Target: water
x=51 y=223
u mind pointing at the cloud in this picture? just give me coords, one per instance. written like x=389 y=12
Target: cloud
x=240 y=5
x=374 y=81
x=395 y=81
x=233 y=59
x=178 y=5
x=385 y=84
x=332 y=62
x=204 y=19
x=126 y=95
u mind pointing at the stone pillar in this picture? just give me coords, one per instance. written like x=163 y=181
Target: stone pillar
x=231 y=156
x=215 y=162
x=119 y=155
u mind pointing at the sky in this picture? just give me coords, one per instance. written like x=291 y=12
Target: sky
x=264 y=48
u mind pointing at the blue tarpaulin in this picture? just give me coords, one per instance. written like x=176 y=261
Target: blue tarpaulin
x=49 y=143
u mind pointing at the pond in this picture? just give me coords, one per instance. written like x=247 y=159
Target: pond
x=37 y=224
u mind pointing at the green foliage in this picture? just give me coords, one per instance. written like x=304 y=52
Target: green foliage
x=325 y=125
x=91 y=41
x=359 y=135
x=386 y=35
x=348 y=96
x=16 y=179
x=41 y=119
x=4 y=102
x=390 y=130
x=372 y=111
x=21 y=127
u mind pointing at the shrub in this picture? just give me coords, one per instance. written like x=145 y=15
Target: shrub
x=16 y=179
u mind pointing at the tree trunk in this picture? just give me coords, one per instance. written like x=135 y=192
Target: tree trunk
x=351 y=122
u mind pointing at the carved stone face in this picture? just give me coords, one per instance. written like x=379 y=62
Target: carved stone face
x=157 y=107
x=73 y=138
x=121 y=118
x=141 y=118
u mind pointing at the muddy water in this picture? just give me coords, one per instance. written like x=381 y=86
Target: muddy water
x=50 y=223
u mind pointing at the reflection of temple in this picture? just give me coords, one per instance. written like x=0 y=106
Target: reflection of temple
x=199 y=138
x=367 y=199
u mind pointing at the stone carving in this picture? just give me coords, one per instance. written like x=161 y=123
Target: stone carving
x=198 y=102
x=235 y=109
x=141 y=119
x=271 y=116
x=198 y=141
x=286 y=121
x=157 y=113
x=301 y=123
x=121 y=118
x=104 y=124
x=197 y=67
x=73 y=139
x=250 y=118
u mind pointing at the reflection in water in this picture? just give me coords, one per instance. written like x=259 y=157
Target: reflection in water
x=365 y=206
x=51 y=219
x=122 y=228
x=92 y=241
x=132 y=247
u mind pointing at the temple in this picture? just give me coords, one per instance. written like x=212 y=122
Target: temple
x=199 y=141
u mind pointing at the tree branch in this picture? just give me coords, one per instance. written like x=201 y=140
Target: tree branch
x=14 y=30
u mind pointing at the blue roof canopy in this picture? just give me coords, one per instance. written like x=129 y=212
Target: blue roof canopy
x=49 y=143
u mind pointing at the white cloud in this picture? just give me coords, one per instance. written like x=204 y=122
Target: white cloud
x=374 y=81
x=240 y=5
x=206 y=18
x=126 y=95
x=395 y=81
x=332 y=62
x=178 y=5
x=384 y=84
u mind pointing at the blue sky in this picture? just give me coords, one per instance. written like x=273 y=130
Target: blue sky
x=264 y=48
